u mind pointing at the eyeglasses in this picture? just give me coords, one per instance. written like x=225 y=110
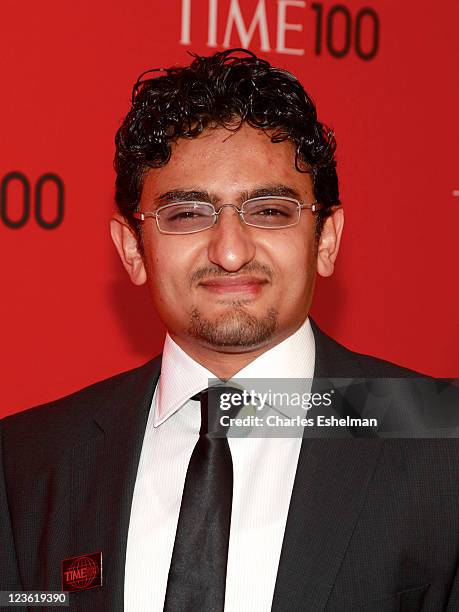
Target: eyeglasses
x=271 y=212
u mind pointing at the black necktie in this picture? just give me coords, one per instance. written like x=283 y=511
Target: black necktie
x=197 y=574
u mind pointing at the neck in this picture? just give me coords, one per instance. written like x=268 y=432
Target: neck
x=225 y=362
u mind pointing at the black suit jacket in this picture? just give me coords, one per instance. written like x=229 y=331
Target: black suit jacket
x=373 y=523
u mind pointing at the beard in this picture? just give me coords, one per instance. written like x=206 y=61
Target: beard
x=236 y=328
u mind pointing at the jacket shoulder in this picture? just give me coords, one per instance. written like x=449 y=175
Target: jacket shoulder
x=58 y=417
x=404 y=400
x=375 y=366
x=335 y=360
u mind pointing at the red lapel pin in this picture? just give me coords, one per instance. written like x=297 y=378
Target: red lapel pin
x=82 y=572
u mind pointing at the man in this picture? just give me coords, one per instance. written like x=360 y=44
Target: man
x=228 y=206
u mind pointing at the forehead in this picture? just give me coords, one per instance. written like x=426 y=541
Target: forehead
x=225 y=162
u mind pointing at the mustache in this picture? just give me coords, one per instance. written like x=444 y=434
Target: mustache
x=252 y=267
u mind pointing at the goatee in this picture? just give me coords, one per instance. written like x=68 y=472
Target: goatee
x=235 y=328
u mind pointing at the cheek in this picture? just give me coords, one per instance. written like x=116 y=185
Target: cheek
x=296 y=273
x=295 y=257
x=168 y=263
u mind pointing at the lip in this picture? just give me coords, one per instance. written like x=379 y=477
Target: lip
x=234 y=284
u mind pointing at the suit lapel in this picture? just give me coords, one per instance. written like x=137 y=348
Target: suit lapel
x=329 y=491
x=328 y=494
x=103 y=476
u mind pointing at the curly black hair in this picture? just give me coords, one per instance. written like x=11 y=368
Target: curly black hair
x=221 y=90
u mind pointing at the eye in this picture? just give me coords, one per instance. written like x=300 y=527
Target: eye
x=184 y=215
x=271 y=211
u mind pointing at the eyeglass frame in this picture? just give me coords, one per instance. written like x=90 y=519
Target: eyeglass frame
x=314 y=207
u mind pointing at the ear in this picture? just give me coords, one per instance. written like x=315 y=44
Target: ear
x=127 y=245
x=329 y=242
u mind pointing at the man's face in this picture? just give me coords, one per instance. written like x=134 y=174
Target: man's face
x=232 y=288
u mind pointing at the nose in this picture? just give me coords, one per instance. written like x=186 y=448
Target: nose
x=231 y=243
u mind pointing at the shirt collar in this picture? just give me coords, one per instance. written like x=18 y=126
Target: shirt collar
x=182 y=377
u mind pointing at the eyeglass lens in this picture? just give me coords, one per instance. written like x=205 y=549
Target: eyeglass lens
x=185 y=217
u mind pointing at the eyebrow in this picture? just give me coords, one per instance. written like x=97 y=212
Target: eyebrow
x=189 y=195
x=183 y=195
x=277 y=189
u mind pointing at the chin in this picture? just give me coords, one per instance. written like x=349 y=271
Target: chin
x=235 y=330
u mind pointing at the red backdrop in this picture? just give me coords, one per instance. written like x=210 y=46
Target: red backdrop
x=384 y=76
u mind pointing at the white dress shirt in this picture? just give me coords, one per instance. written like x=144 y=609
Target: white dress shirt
x=264 y=472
